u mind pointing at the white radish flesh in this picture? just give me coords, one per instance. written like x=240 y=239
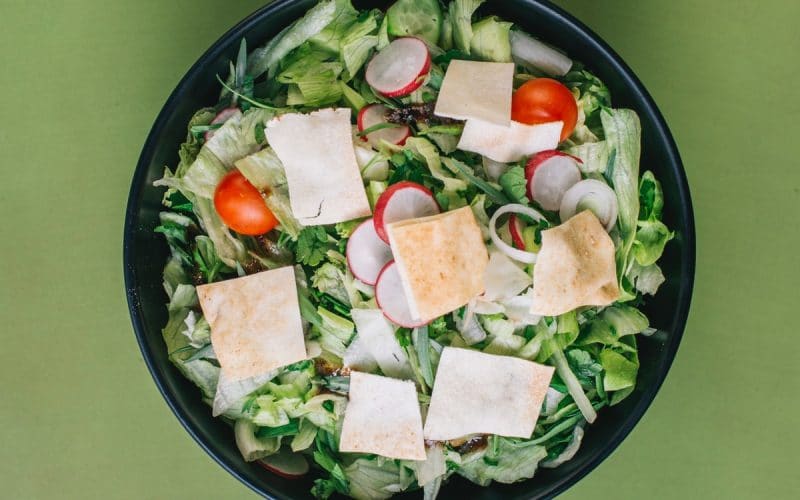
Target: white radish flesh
x=519 y=255
x=551 y=178
x=594 y=195
x=528 y=51
x=402 y=201
x=391 y=298
x=366 y=253
x=400 y=68
x=375 y=114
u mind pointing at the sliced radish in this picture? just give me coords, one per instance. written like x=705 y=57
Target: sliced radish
x=594 y=195
x=520 y=255
x=367 y=253
x=391 y=298
x=550 y=174
x=375 y=114
x=515 y=228
x=286 y=464
x=402 y=201
x=400 y=68
x=221 y=117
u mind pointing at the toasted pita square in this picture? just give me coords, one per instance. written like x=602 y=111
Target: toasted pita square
x=511 y=143
x=382 y=417
x=441 y=260
x=478 y=393
x=475 y=89
x=575 y=267
x=255 y=322
x=316 y=150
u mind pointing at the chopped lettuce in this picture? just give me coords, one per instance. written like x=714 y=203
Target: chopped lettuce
x=461 y=12
x=266 y=58
x=505 y=460
x=490 y=40
x=514 y=184
x=645 y=279
x=251 y=446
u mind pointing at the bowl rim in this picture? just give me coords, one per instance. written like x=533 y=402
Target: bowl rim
x=687 y=255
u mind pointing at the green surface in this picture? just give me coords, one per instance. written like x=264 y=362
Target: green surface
x=81 y=83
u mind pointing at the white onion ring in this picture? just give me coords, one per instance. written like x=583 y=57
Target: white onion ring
x=514 y=253
x=595 y=190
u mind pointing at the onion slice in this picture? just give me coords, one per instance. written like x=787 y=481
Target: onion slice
x=514 y=208
x=593 y=195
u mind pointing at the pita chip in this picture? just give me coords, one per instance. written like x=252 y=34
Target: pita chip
x=317 y=152
x=441 y=260
x=575 y=267
x=382 y=417
x=255 y=322
x=478 y=393
x=476 y=89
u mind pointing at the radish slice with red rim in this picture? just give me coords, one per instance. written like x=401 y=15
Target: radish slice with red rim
x=402 y=201
x=550 y=174
x=516 y=254
x=366 y=253
x=515 y=228
x=400 y=68
x=221 y=118
x=373 y=115
x=391 y=298
x=286 y=464
x=594 y=195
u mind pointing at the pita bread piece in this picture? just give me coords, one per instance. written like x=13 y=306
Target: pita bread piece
x=474 y=89
x=317 y=152
x=478 y=393
x=255 y=322
x=382 y=417
x=441 y=260
x=508 y=143
x=575 y=267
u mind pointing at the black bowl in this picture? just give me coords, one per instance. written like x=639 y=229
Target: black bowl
x=145 y=252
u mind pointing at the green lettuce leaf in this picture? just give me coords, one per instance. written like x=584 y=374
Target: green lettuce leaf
x=265 y=59
x=461 y=12
x=645 y=279
x=505 y=460
x=330 y=38
x=620 y=372
x=358 y=42
x=490 y=40
x=316 y=82
x=515 y=185
x=652 y=234
x=623 y=133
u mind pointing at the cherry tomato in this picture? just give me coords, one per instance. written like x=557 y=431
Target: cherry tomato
x=241 y=207
x=545 y=100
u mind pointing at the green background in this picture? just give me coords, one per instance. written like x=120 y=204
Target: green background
x=82 y=81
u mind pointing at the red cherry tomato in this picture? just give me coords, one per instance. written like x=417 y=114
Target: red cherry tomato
x=241 y=207
x=545 y=100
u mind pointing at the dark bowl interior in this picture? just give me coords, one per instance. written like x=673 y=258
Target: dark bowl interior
x=145 y=252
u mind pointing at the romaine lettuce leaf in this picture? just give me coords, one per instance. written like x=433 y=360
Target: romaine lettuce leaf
x=623 y=133
x=490 y=40
x=461 y=12
x=645 y=279
x=505 y=460
x=266 y=58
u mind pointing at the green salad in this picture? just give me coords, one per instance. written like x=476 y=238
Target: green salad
x=407 y=245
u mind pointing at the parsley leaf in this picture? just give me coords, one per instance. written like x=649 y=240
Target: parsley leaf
x=312 y=243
